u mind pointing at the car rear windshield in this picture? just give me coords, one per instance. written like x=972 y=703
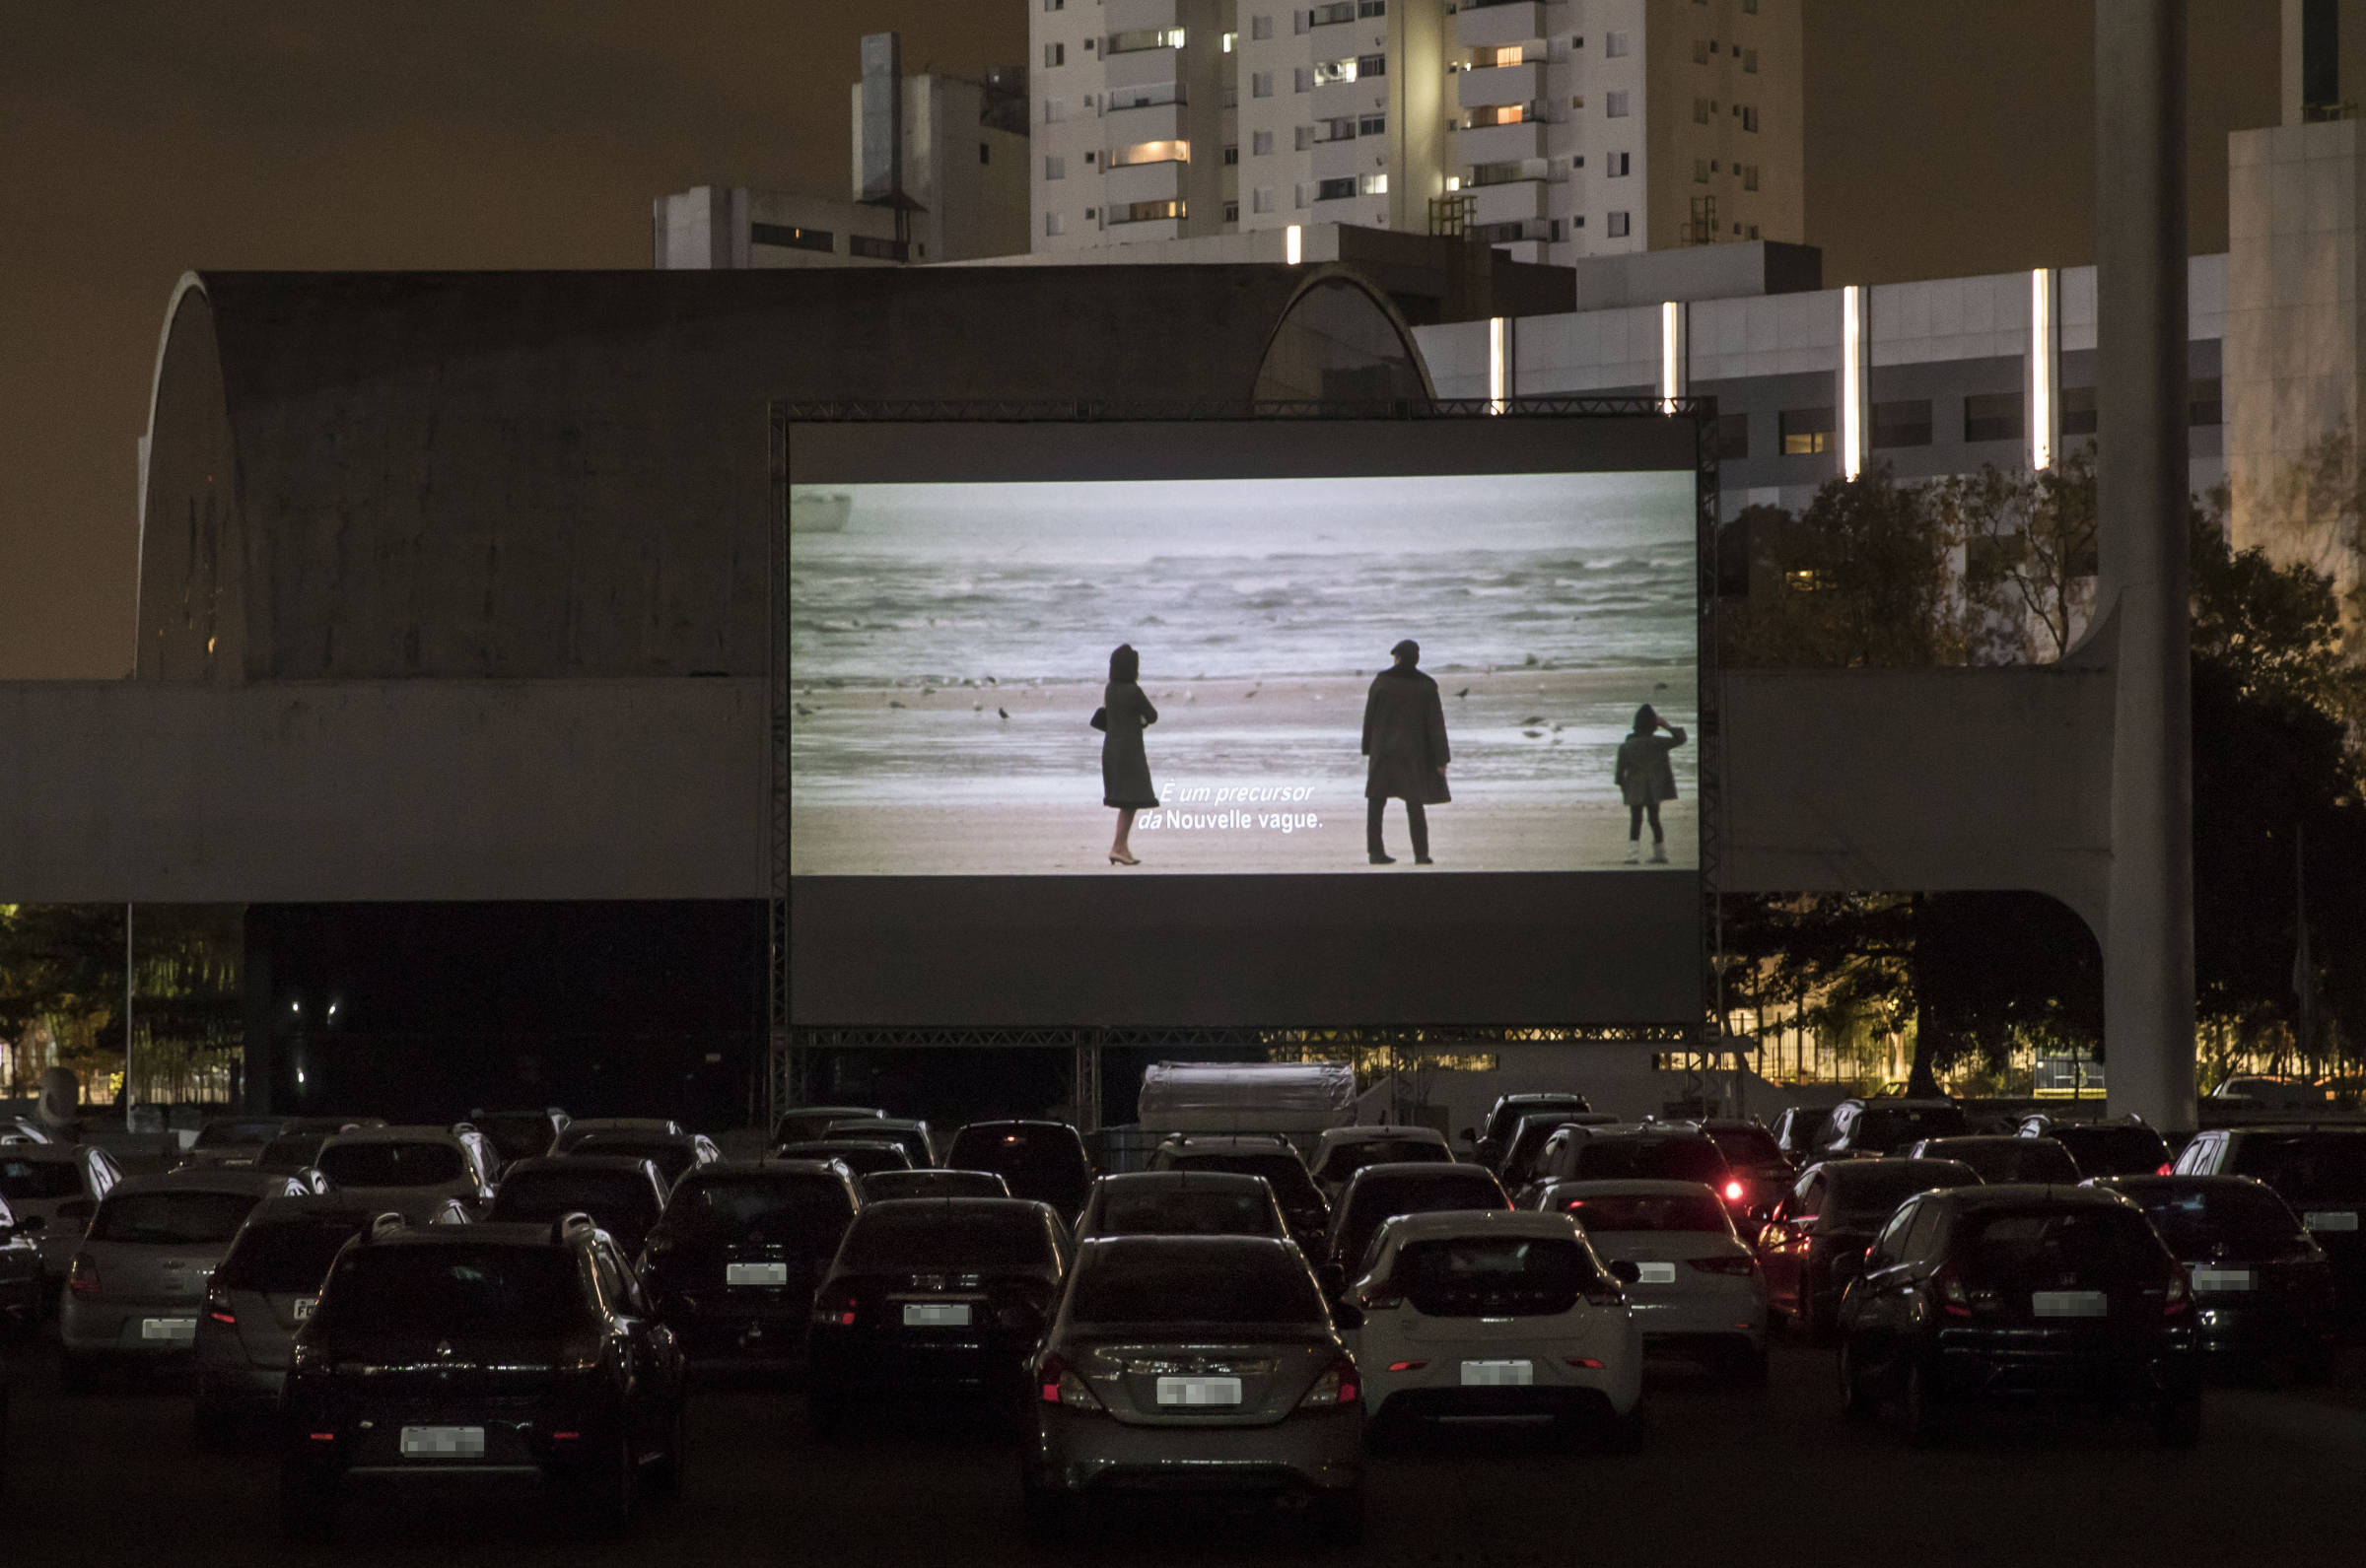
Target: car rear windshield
x=449 y=1290
x=545 y=1194
x=1285 y=1174
x=934 y=1184
x=235 y=1134
x=2114 y=1151
x=290 y=1151
x=40 y=1179
x=1891 y=1128
x=1345 y=1159
x=2307 y=1167
x=1632 y=1159
x=1746 y=1145
x=518 y=1134
x=2011 y=1159
x=1874 y=1191
x=670 y=1158
x=392 y=1164
x=767 y=1211
x=1185 y=1211
x=2088 y=1248
x=1418 y=1193
x=2233 y=1220
x=172 y=1219
x=951 y=1239
x=290 y=1255
x=1466 y=1276
x=1648 y=1211
x=1143 y=1288
x=1507 y=1117
x=1012 y=1151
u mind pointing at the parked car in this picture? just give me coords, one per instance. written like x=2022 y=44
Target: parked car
x=136 y=1284
x=292 y=1153
x=24 y=1282
x=2274 y=1094
x=2007 y=1159
x=1753 y=1159
x=2016 y=1293
x=861 y=1156
x=1814 y=1242
x=732 y=1264
x=2122 y=1146
x=623 y=1196
x=1533 y=1134
x=1182 y=1203
x=1695 y=1288
x=581 y=1127
x=521 y=1135
x=1794 y=1133
x=1340 y=1152
x=1205 y=1362
x=1377 y=1192
x=230 y=1142
x=1479 y=1313
x=15 y=1129
x=912 y=1136
x=410 y=1169
x=59 y=1185
x=1303 y=1207
x=2263 y=1288
x=1044 y=1161
x=267 y=1286
x=481 y=1353
x=810 y=1121
x=1493 y=1140
x=2321 y=1171
x=935 y=1181
x=930 y=1299
x=1656 y=1152
x=675 y=1154
x=1885 y=1124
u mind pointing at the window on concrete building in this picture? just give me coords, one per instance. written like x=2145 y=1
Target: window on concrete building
x=1749 y=115
x=1335 y=190
x=877 y=249
x=1902 y=424
x=1140 y=38
x=1055 y=166
x=1305 y=79
x=1260 y=28
x=1262 y=199
x=1373 y=185
x=985 y=154
x=1372 y=125
x=1700 y=170
x=1733 y=438
x=1055 y=54
x=1304 y=137
x=1231 y=155
x=1342 y=130
x=1618 y=226
x=1749 y=62
x=1992 y=416
x=1324 y=16
x=1700 y=51
x=1260 y=143
x=1614 y=105
x=1164 y=151
x=1055 y=223
x=1232 y=211
x=1618 y=166
x=1614 y=45
x=1261 y=83
x=1805 y=431
x=2077 y=404
x=793 y=236
x=1145 y=211
x=1371 y=8
x=2205 y=402
x=1701 y=110
x=1055 y=5
x=1749 y=8
x=1748 y=176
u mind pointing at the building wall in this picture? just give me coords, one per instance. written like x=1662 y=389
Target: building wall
x=1727 y=123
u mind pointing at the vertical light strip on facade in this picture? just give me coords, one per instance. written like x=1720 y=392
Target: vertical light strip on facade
x=1852 y=380
x=2041 y=369
x=1498 y=363
x=1671 y=354
x=1293 y=244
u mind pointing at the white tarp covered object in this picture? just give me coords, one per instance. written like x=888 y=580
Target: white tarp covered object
x=1247 y=1095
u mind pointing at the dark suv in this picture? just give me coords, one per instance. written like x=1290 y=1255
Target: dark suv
x=732 y=1265
x=1885 y=1124
x=2125 y=1146
x=2261 y=1287
x=481 y=1351
x=2016 y=1294
x=2321 y=1171
x=623 y=1196
x=1814 y=1241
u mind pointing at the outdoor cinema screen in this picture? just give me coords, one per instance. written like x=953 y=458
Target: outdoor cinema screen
x=1298 y=659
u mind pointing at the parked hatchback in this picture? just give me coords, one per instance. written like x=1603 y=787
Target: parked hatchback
x=2320 y=1171
x=1182 y=1203
x=260 y=1295
x=1815 y=1240
x=1303 y=1207
x=935 y=1181
x=1343 y=1151
x=623 y=1196
x=1695 y=1286
x=2125 y=1146
x=732 y=1262
x=411 y=1171
x=2007 y=1159
x=59 y=1185
x=1377 y=1192
x=1885 y=1124
x=675 y=1154
x=1041 y=1160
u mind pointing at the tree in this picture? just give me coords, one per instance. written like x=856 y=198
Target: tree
x=1861 y=580
x=2030 y=554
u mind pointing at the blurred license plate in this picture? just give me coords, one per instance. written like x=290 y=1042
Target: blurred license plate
x=168 y=1329
x=1655 y=1273
x=1497 y=1374
x=1199 y=1390
x=2224 y=1279
x=443 y=1442
x=936 y=1314
x=2330 y=1219
x=755 y=1273
x=2070 y=1304
x=305 y=1306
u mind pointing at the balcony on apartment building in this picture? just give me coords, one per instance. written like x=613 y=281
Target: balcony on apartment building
x=1141 y=122
x=1145 y=172
x=1492 y=23
x=1506 y=142
x=1503 y=193
x=1486 y=86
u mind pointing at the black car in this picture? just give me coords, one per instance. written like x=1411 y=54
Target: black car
x=1885 y=1124
x=732 y=1262
x=2007 y=1159
x=2122 y=1147
x=1656 y=1155
x=911 y=1136
x=22 y=1287
x=2020 y=1293
x=624 y=1196
x=1815 y=1239
x=806 y=1123
x=1524 y=1157
x=1041 y=1160
x=934 y=1182
x=519 y=1135
x=1378 y=1192
x=1303 y=1207
x=476 y=1352
x=1493 y=1142
x=931 y=1298
x=1754 y=1161
x=675 y=1154
x=2263 y=1288
x=2321 y=1171
x=861 y=1156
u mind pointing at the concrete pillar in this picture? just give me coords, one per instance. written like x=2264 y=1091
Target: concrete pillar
x=2141 y=477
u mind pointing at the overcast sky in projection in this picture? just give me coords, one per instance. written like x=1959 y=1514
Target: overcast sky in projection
x=142 y=138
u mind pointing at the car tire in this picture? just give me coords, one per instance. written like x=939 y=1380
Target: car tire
x=2178 y=1421
x=1927 y=1419
x=1626 y=1433
x=307 y=1504
x=1859 y=1400
x=610 y=1486
x=1044 y=1513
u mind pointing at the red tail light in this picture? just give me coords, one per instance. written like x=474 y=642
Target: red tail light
x=1954 y=1300
x=1407 y=1366
x=1739 y=1268
x=219 y=1309
x=2166 y=1167
x=1056 y=1383
x=1336 y=1387
x=838 y=1311
x=81 y=1276
x=2180 y=1299
x=1583 y=1363
x=1734 y=1191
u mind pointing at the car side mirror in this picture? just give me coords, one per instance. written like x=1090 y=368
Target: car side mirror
x=1347 y=1314
x=1625 y=1270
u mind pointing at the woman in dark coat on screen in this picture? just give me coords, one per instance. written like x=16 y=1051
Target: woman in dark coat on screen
x=1645 y=778
x=1125 y=769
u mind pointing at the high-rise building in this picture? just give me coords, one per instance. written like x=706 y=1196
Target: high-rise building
x=1556 y=128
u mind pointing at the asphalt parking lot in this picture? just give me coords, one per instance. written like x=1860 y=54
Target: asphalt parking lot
x=1729 y=1476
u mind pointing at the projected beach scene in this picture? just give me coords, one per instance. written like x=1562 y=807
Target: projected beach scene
x=1488 y=648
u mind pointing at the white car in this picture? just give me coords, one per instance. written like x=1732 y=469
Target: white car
x=411 y=1171
x=59 y=1185
x=1695 y=1286
x=1495 y=1312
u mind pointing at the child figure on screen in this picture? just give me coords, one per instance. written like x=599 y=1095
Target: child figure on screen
x=1644 y=778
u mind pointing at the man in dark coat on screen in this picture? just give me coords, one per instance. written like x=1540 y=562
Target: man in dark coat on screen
x=1405 y=737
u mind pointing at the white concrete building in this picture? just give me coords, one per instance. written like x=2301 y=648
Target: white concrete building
x=1560 y=128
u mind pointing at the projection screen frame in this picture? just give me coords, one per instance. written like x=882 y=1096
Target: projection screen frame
x=1704 y=1032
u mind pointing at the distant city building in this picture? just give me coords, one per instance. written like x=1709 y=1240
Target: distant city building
x=939 y=175
x=1557 y=128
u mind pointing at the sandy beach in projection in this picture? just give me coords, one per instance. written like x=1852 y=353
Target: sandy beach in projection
x=1255 y=776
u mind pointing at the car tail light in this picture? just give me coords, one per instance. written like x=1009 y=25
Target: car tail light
x=566 y=1437
x=218 y=1308
x=1740 y=1268
x=323 y=1437
x=1954 y=1300
x=1584 y=1363
x=1407 y=1366
x=838 y=1311
x=81 y=1276
x=1056 y=1383
x=1734 y=1191
x=1336 y=1387
x=2180 y=1298
x=2165 y=1168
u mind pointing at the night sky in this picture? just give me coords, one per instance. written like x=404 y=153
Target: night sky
x=142 y=138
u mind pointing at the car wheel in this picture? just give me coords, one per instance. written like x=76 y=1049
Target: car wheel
x=1626 y=1433
x=665 y=1475
x=1044 y=1513
x=1338 y=1518
x=1926 y=1424
x=307 y=1504
x=1859 y=1400
x=610 y=1485
x=2178 y=1422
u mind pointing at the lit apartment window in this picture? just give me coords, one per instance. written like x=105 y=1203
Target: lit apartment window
x=1261 y=83
x=1804 y=579
x=1230 y=40
x=1614 y=45
x=1260 y=144
x=1145 y=211
x=1262 y=199
x=1618 y=166
x=1261 y=29
x=1902 y=424
x=1992 y=416
x=1055 y=166
x=1174 y=152
x=1805 y=431
x=1749 y=62
x=1327 y=14
x=1055 y=54
x=1139 y=38
x=1055 y=224
x=1618 y=226
x=1372 y=125
x=1482 y=59
x=1496 y=114
x=1373 y=185
x=1614 y=105
x=790 y=236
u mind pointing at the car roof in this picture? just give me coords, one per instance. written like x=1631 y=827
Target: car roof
x=1838 y=1169
x=1038 y=1124
x=1270 y=1246
x=631 y=1135
x=848 y=1110
x=309 y=1205
x=1227 y=1143
x=907 y=1123
x=801 y=1144
x=49 y=1151
x=1959 y=1140
x=1446 y=1224
x=209 y=1180
x=415 y=1134
x=620 y=1124
x=1195 y=1180
x=1425 y=1170
x=1539 y=1097
x=495 y=1233
x=1396 y=1131
x=2148 y=1181
x=970 y=1206
x=1639 y=1187
x=576 y=1163
x=1904 y=1102
x=2022 y=1194
x=748 y=1170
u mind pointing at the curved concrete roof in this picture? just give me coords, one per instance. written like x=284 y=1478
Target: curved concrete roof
x=564 y=473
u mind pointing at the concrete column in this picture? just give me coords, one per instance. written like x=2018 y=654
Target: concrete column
x=2139 y=397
